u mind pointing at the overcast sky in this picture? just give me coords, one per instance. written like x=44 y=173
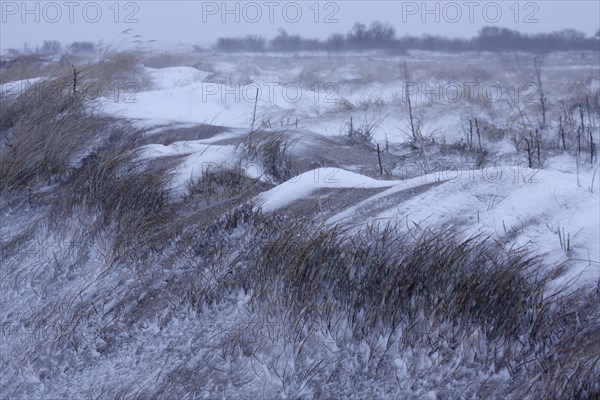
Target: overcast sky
x=202 y=22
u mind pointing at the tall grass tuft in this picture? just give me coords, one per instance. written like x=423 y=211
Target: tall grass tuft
x=43 y=129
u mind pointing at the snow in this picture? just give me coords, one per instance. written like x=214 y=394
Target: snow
x=172 y=77
x=523 y=205
x=504 y=201
x=199 y=158
x=507 y=200
x=308 y=182
x=183 y=95
x=157 y=331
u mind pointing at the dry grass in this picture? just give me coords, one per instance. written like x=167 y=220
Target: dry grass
x=433 y=288
x=378 y=294
x=125 y=196
x=42 y=130
x=361 y=132
x=273 y=152
x=115 y=72
x=15 y=68
x=219 y=185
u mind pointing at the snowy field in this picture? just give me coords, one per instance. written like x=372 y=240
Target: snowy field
x=317 y=95
x=370 y=226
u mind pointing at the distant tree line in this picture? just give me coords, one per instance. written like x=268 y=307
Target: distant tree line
x=377 y=36
x=380 y=35
x=49 y=47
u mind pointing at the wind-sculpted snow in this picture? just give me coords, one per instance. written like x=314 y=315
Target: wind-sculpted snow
x=181 y=247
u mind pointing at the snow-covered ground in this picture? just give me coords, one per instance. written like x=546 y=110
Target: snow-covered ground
x=530 y=206
x=81 y=316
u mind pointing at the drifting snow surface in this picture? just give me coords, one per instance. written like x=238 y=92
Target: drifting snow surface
x=308 y=182
x=524 y=206
x=547 y=210
x=182 y=95
x=187 y=95
x=172 y=77
x=519 y=205
x=199 y=158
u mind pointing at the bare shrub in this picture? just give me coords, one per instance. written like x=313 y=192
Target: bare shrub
x=361 y=132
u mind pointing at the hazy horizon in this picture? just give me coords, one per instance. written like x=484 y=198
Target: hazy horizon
x=202 y=23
